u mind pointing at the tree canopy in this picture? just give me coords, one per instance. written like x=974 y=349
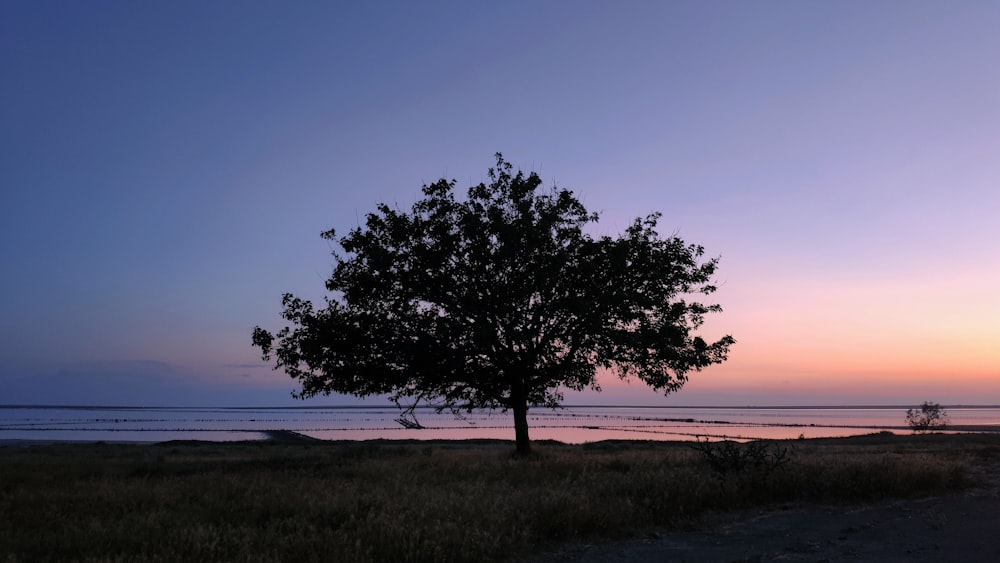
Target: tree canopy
x=498 y=300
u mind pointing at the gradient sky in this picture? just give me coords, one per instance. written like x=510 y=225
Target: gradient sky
x=167 y=167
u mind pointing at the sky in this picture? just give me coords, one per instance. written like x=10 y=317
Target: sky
x=166 y=169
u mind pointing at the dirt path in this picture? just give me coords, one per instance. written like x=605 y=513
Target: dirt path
x=962 y=527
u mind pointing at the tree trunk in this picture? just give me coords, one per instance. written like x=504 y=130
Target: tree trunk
x=520 y=409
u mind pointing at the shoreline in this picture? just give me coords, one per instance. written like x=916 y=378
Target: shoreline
x=572 y=424
x=427 y=407
x=279 y=436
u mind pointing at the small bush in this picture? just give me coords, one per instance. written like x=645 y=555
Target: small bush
x=728 y=457
x=930 y=416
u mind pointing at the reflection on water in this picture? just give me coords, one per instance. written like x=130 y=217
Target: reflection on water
x=570 y=424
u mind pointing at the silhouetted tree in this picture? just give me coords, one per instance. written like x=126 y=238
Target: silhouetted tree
x=930 y=416
x=498 y=301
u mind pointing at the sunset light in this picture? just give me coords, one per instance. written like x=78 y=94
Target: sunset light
x=162 y=193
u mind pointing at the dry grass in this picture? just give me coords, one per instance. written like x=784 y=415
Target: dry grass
x=397 y=502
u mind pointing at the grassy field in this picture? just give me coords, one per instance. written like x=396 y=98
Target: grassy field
x=417 y=501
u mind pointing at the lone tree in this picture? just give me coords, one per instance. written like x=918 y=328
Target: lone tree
x=930 y=416
x=500 y=301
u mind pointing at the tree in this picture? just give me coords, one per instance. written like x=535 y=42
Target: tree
x=930 y=416
x=499 y=301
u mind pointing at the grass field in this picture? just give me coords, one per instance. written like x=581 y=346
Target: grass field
x=420 y=501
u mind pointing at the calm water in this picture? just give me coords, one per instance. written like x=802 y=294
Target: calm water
x=570 y=424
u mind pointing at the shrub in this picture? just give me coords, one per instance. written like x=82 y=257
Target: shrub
x=727 y=457
x=930 y=416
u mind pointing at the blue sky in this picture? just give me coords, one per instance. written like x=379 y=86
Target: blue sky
x=167 y=168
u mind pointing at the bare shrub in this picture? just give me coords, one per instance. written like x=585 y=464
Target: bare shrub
x=726 y=456
x=930 y=416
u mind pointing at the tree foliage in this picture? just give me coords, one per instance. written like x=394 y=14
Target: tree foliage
x=499 y=300
x=930 y=416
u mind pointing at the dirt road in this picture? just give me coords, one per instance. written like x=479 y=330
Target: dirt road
x=962 y=527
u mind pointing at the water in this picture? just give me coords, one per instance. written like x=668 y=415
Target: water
x=570 y=424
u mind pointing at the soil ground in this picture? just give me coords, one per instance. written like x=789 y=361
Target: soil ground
x=960 y=527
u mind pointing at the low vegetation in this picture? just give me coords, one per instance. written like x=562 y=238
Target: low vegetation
x=726 y=457
x=927 y=417
x=442 y=501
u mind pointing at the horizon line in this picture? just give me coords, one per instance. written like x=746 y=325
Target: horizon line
x=431 y=407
